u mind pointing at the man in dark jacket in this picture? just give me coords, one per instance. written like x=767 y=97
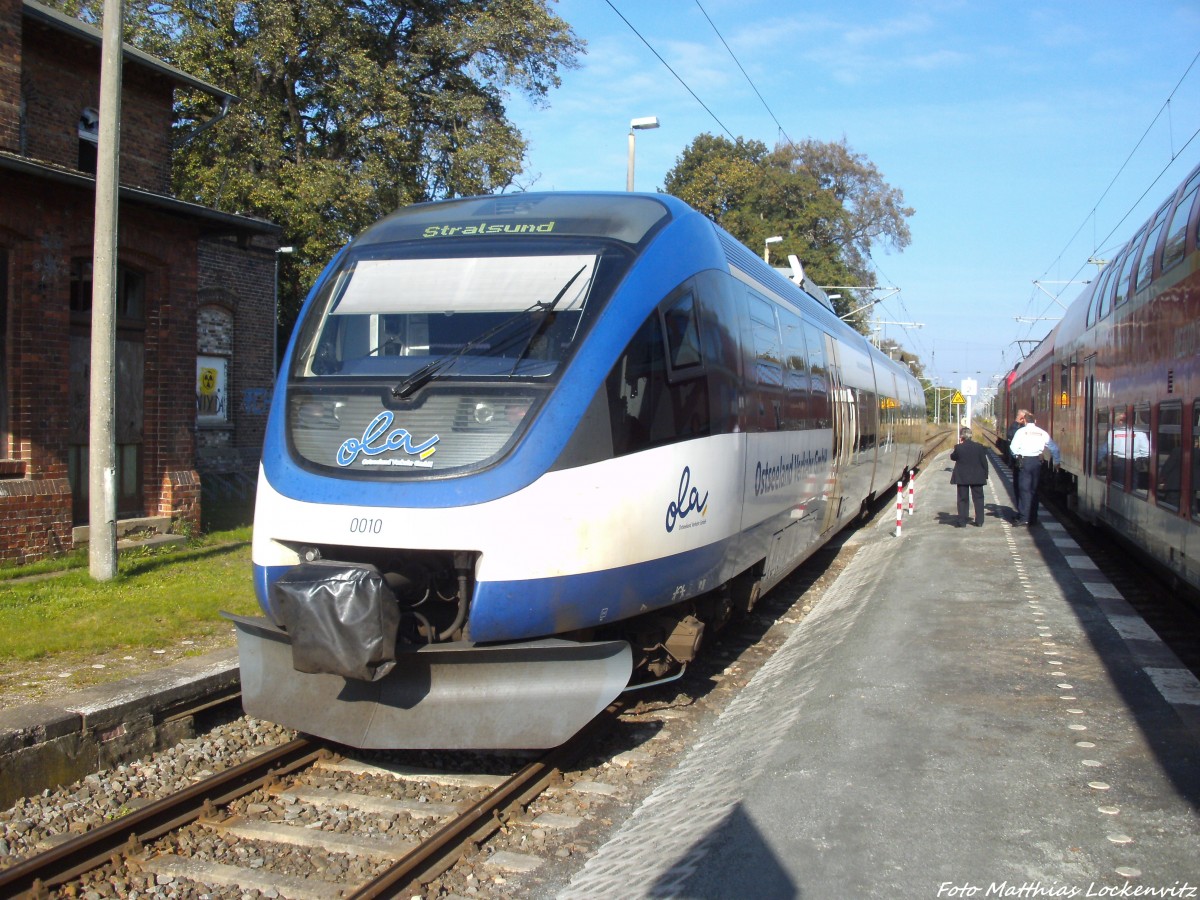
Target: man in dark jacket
x=970 y=474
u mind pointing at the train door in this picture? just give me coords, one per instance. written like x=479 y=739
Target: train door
x=844 y=411
x=1089 y=412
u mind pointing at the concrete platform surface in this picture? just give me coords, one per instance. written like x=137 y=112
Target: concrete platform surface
x=969 y=712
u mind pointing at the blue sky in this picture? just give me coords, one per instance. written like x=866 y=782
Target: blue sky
x=1004 y=124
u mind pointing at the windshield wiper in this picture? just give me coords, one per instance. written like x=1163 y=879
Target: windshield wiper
x=547 y=311
x=427 y=372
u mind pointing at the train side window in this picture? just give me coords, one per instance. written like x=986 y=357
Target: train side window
x=765 y=405
x=1176 y=243
x=1102 y=443
x=1196 y=460
x=796 y=414
x=768 y=353
x=1140 y=442
x=1118 y=445
x=1146 y=266
x=1168 y=454
x=818 y=380
x=1105 y=291
x=1094 y=301
x=1123 y=284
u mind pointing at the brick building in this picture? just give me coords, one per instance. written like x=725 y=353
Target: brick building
x=195 y=296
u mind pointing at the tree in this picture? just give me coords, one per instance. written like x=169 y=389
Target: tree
x=348 y=109
x=830 y=204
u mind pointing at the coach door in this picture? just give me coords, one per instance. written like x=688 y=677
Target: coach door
x=1094 y=482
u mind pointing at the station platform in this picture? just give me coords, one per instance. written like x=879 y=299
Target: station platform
x=968 y=712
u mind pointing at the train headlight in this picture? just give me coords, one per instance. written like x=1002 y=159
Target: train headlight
x=485 y=413
x=319 y=413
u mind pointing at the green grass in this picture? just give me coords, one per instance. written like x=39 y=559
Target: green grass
x=158 y=598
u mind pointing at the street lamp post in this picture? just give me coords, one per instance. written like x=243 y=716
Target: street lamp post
x=275 y=324
x=767 y=247
x=642 y=124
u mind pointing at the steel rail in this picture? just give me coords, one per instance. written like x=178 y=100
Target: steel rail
x=96 y=847
x=484 y=817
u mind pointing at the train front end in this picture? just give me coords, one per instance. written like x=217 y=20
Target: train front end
x=415 y=444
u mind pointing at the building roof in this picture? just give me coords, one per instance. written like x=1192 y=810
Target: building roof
x=92 y=35
x=213 y=219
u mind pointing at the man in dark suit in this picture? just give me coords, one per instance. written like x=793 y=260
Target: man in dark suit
x=970 y=474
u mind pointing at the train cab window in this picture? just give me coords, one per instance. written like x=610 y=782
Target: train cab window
x=1124 y=283
x=683 y=335
x=1146 y=266
x=1102 y=443
x=646 y=407
x=1176 y=242
x=1140 y=443
x=1168 y=455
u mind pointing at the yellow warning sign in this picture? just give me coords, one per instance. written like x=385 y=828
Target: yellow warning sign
x=957 y=399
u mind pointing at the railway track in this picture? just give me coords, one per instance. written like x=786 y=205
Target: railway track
x=1169 y=607
x=393 y=842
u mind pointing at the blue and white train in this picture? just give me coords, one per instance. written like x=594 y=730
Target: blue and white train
x=526 y=448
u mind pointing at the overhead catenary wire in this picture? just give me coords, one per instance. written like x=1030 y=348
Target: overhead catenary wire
x=1174 y=155
x=908 y=332
x=1097 y=243
x=749 y=80
x=678 y=77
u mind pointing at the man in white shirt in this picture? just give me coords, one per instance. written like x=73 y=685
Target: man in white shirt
x=1027 y=447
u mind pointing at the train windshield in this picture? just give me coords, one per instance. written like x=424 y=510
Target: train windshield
x=479 y=316
x=433 y=341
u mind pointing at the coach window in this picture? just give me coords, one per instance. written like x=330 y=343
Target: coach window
x=1177 y=231
x=796 y=413
x=1105 y=302
x=1094 y=301
x=1102 y=443
x=1140 y=442
x=1127 y=269
x=1168 y=454
x=766 y=412
x=818 y=383
x=1146 y=266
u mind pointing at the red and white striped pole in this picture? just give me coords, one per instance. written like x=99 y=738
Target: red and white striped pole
x=912 y=479
x=899 y=506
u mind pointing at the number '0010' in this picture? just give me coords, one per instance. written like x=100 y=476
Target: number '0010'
x=366 y=526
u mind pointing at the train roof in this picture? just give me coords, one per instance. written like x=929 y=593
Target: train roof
x=1175 y=217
